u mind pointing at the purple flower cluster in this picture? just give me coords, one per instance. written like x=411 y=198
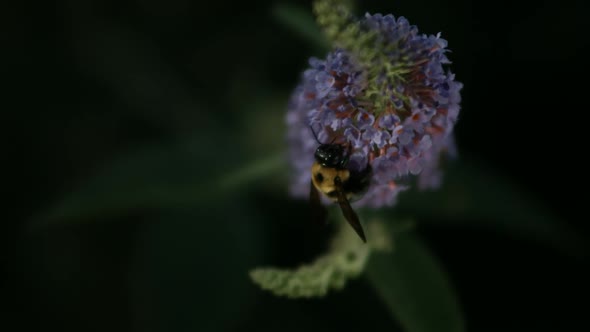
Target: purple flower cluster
x=402 y=135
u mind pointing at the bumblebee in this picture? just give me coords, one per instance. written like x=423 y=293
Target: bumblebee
x=330 y=176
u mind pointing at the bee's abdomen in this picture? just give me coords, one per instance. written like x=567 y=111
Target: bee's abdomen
x=358 y=182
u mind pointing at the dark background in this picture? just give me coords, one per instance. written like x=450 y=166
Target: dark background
x=88 y=82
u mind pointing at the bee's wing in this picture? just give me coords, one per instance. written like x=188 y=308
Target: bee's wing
x=318 y=211
x=347 y=210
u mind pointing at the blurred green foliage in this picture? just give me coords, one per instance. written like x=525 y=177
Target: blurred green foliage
x=415 y=288
x=345 y=259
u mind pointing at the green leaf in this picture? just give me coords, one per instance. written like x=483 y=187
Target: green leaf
x=256 y=169
x=301 y=22
x=473 y=195
x=345 y=260
x=166 y=176
x=415 y=288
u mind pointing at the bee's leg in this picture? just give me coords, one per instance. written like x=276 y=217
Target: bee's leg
x=346 y=158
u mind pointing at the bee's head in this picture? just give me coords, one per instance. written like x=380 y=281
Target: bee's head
x=331 y=155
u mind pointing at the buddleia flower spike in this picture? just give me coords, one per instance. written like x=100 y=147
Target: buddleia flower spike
x=382 y=93
x=382 y=89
